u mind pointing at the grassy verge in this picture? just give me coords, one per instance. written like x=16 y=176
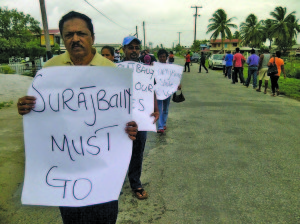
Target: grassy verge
x=5 y=104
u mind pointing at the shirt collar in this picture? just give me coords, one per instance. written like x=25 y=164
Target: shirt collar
x=67 y=59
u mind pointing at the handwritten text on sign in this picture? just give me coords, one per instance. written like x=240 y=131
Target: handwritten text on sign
x=142 y=94
x=167 y=77
x=77 y=151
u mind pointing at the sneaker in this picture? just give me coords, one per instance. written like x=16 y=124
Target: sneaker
x=165 y=127
x=161 y=131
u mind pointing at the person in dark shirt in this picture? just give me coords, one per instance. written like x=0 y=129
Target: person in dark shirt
x=202 y=63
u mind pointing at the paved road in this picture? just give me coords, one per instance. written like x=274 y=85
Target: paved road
x=229 y=155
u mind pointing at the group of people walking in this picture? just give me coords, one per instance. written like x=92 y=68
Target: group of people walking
x=233 y=67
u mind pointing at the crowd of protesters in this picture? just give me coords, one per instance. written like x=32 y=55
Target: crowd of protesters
x=233 y=68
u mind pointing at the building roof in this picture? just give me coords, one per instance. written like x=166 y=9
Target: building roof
x=52 y=31
x=225 y=41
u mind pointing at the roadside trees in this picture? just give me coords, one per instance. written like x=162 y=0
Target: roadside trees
x=19 y=35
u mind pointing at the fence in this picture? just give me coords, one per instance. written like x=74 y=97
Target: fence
x=21 y=68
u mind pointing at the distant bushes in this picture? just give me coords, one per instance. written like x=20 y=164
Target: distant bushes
x=7 y=70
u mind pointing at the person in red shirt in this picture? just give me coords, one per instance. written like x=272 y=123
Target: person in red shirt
x=238 y=61
x=187 y=62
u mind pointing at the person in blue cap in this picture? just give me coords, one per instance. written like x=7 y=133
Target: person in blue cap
x=131 y=48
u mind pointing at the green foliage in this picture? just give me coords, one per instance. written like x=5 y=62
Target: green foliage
x=252 y=31
x=29 y=73
x=18 y=32
x=178 y=48
x=5 y=104
x=7 y=70
x=55 y=49
x=220 y=25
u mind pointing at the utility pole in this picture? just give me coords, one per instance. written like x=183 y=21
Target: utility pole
x=137 y=35
x=46 y=31
x=144 y=34
x=179 y=37
x=196 y=15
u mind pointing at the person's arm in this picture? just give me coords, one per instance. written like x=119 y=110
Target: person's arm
x=155 y=114
x=270 y=63
x=261 y=58
x=233 y=62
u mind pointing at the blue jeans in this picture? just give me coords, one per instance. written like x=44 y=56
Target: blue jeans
x=252 y=71
x=163 y=107
x=135 y=166
x=228 y=69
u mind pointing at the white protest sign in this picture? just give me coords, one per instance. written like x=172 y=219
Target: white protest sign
x=77 y=151
x=167 y=77
x=143 y=94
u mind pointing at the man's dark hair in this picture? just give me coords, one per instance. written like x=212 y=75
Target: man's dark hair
x=266 y=50
x=161 y=52
x=171 y=52
x=228 y=52
x=72 y=15
x=111 y=49
x=252 y=51
x=278 y=54
x=202 y=52
x=237 y=50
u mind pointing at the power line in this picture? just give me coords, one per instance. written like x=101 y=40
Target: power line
x=106 y=16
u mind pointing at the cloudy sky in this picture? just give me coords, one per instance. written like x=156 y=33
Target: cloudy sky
x=163 y=18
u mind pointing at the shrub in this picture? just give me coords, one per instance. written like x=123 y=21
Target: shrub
x=7 y=70
x=29 y=73
x=5 y=104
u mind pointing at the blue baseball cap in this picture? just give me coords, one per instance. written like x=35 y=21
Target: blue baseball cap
x=129 y=39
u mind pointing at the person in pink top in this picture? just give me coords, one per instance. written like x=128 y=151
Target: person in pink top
x=238 y=61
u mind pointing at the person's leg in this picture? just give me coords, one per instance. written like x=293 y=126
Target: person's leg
x=254 y=77
x=233 y=76
x=273 y=84
x=240 y=70
x=249 y=77
x=135 y=166
x=160 y=122
x=185 y=66
x=200 y=67
x=224 y=70
x=266 y=78
x=260 y=76
x=166 y=104
x=205 y=67
x=188 y=64
x=228 y=72
x=94 y=214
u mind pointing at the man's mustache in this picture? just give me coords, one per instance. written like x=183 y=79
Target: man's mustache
x=76 y=45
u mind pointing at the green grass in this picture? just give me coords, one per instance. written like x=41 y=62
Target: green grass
x=5 y=104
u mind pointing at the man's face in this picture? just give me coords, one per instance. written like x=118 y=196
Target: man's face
x=77 y=38
x=162 y=58
x=132 y=51
x=106 y=53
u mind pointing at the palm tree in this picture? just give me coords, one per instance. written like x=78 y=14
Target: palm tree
x=266 y=30
x=236 y=35
x=251 y=31
x=283 y=26
x=220 y=25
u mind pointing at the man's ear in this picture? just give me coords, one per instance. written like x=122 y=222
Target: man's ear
x=93 y=38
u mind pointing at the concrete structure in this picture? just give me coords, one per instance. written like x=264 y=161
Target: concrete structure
x=228 y=45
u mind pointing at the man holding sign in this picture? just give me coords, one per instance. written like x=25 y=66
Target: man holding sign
x=77 y=32
x=131 y=48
